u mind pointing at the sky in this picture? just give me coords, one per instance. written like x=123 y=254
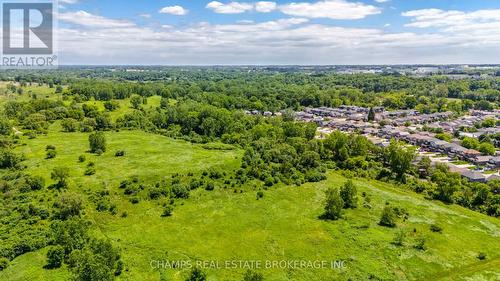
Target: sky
x=284 y=32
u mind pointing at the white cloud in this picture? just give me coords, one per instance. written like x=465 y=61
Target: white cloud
x=265 y=6
x=68 y=1
x=86 y=19
x=174 y=10
x=382 y=1
x=146 y=16
x=229 y=8
x=333 y=9
x=98 y=40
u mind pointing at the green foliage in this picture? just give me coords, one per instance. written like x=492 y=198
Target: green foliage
x=8 y=159
x=388 y=217
x=400 y=158
x=51 y=154
x=253 y=276
x=420 y=243
x=371 y=115
x=436 y=228
x=399 y=238
x=167 y=211
x=136 y=101
x=61 y=175
x=68 y=205
x=333 y=204
x=349 y=195
x=4 y=263
x=55 y=257
x=97 y=142
x=487 y=148
x=471 y=143
x=196 y=275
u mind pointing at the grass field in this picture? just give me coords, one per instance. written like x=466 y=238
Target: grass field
x=222 y=225
x=284 y=225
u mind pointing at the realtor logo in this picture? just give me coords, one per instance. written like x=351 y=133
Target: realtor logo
x=28 y=34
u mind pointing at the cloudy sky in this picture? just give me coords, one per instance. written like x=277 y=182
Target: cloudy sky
x=203 y=32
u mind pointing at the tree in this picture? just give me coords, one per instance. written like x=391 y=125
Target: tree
x=68 y=205
x=388 y=217
x=253 y=276
x=136 y=101
x=333 y=204
x=349 y=195
x=371 y=115
x=470 y=143
x=487 y=148
x=61 y=175
x=196 y=275
x=55 y=257
x=424 y=167
x=400 y=158
x=97 y=142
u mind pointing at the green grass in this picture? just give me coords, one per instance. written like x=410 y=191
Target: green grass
x=284 y=225
x=148 y=156
x=222 y=225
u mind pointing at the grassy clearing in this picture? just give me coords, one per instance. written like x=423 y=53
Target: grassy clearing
x=148 y=156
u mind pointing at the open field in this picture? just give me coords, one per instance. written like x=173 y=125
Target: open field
x=284 y=225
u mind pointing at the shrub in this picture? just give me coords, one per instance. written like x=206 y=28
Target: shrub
x=4 y=263
x=82 y=158
x=50 y=147
x=420 y=243
x=253 y=276
x=436 y=228
x=333 y=204
x=61 y=175
x=481 y=256
x=349 y=194
x=120 y=153
x=51 y=154
x=69 y=205
x=260 y=194
x=134 y=200
x=388 y=217
x=210 y=186
x=90 y=171
x=196 y=275
x=97 y=142
x=180 y=191
x=399 y=238
x=55 y=257
x=167 y=211
x=35 y=182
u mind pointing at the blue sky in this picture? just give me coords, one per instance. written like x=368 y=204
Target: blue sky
x=279 y=32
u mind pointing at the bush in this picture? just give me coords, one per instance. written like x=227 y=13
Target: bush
x=55 y=257
x=349 y=194
x=51 y=154
x=333 y=204
x=134 y=200
x=4 y=263
x=120 y=153
x=167 y=211
x=61 y=175
x=436 y=228
x=481 y=256
x=196 y=275
x=82 y=158
x=210 y=186
x=388 y=217
x=253 y=276
x=420 y=243
x=97 y=142
x=35 y=182
x=180 y=191
x=399 y=239
x=260 y=194
x=90 y=171
x=50 y=147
